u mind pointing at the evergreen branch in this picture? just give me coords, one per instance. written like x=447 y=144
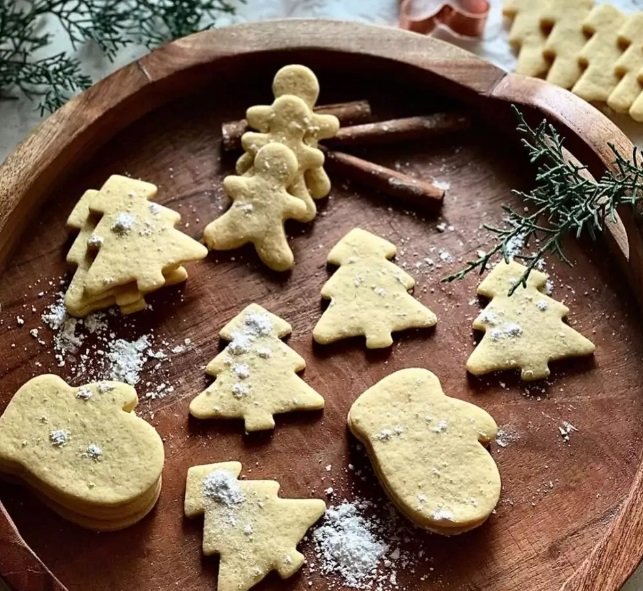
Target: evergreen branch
x=110 y=24
x=564 y=201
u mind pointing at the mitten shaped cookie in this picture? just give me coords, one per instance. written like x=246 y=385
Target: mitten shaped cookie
x=261 y=203
x=427 y=451
x=83 y=450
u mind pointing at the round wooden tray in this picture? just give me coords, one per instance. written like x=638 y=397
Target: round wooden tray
x=571 y=513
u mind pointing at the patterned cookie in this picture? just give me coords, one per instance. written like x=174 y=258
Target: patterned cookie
x=253 y=530
x=83 y=450
x=524 y=330
x=599 y=54
x=261 y=204
x=255 y=374
x=427 y=450
x=369 y=295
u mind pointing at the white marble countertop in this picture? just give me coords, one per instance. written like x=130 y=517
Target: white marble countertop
x=20 y=116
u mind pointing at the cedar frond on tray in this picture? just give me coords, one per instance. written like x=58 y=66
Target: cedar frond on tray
x=26 y=69
x=564 y=202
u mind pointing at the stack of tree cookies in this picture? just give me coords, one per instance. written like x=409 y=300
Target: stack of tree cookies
x=594 y=51
x=126 y=247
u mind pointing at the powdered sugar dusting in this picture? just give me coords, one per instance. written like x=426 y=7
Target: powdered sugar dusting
x=126 y=359
x=348 y=545
x=223 y=488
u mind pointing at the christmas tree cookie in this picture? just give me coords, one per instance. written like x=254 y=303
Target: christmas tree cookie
x=126 y=246
x=83 y=451
x=427 y=451
x=251 y=528
x=261 y=203
x=369 y=295
x=525 y=330
x=255 y=374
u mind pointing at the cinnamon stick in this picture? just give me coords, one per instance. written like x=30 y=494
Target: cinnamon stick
x=407 y=189
x=400 y=130
x=348 y=114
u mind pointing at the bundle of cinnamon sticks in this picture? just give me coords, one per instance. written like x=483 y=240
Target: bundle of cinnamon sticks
x=360 y=130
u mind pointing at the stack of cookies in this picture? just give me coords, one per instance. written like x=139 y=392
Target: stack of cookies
x=280 y=173
x=594 y=51
x=83 y=451
x=126 y=247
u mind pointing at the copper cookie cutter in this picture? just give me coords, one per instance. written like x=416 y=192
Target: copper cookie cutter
x=463 y=17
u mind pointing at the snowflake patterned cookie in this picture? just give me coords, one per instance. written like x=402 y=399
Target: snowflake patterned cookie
x=525 y=330
x=369 y=295
x=427 y=451
x=251 y=528
x=255 y=374
x=83 y=450
x=261 y=203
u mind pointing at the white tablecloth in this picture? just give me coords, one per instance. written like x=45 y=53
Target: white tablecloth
x=19 y=117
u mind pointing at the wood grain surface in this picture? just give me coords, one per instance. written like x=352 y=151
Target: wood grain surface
x=570 y=511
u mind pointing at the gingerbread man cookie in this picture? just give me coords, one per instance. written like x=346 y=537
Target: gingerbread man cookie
x=261 y=203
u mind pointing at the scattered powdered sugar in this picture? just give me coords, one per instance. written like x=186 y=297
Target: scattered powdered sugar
x=59 y=437
x=94 y=452
x=239 y=344
x=509 y=330
x=440 y=427
x=127 y=358
x=506 y=436
x=565 y=430
x=542 y=305
x=223 y=488
x=95 y=241
x=84 y=393
x=241 y=370
x=240 y=390
x=386 y=434
x=348 y=544
x=90 y=350
x=257 y=324
x=123 y=223
x=515 y=244
x=441 y=514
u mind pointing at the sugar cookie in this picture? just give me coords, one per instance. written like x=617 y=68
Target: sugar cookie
x=427 y=450
x=261 y=204
x=524 y=330
x=629 y=64
x=83 y=450
x=369 y=295
x=255 y=374
x=526 y=35
x=253 y=530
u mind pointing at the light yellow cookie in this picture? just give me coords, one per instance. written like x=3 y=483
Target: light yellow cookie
x=255 y=374
x=526 y=35
x=291 y=121
x=565 y=40
x=253 y=530
x=136 y=240
x=628 y=66
x=83 y=450
x=426 y=450
x=524 y=330
x=369 y=295
x=261 y=204
x=599 y=55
